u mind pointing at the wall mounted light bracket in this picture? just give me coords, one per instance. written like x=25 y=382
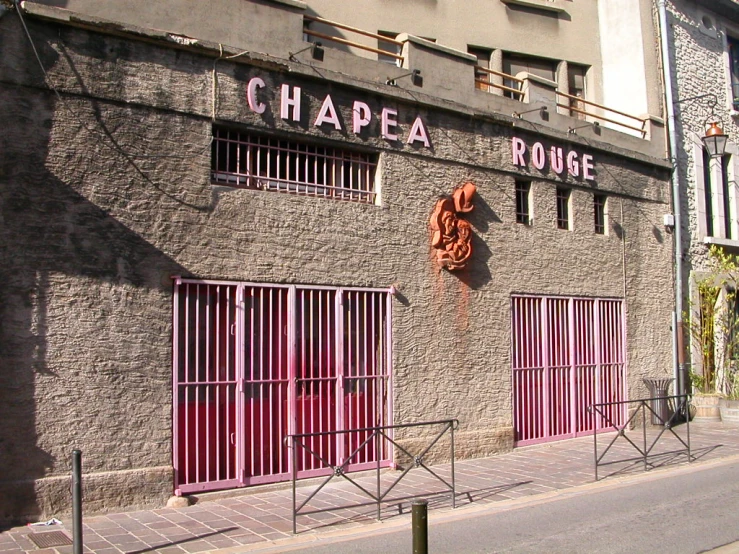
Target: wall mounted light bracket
x=595 y=125
x=714 y=139
x=415 y=76
x=316 y=50
x=543 y=113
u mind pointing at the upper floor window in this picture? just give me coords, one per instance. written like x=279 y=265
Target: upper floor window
x=390 y=46
x=716 y=196
x=483 y=60
x=516 y=63
x=576 y=86
x=244 y=160
x=733 y=45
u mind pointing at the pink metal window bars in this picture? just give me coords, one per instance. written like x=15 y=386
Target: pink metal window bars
x=568 y=353
x=255 y=363
x=253 y=161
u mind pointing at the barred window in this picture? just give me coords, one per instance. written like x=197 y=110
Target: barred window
x=246 y=160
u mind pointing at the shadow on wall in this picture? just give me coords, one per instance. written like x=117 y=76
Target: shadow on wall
x=48 y=229
x=53 y=3
x=477 y=274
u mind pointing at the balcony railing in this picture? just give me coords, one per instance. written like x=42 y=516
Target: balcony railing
x=354 y=44
x=635 y=123
x=518 y=88
x=516 y=93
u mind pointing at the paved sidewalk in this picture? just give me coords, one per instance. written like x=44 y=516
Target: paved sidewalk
x=251 y=518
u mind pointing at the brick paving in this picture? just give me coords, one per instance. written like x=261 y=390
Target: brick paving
x=257 y=516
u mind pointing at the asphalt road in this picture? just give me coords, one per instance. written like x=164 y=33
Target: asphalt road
x=675 y=512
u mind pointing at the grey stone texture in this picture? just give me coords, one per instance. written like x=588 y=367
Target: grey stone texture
x=702 y=92
x=105 y=194
x=700 y=62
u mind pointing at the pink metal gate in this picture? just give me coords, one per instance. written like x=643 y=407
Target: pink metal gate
x=567 y=354
x=254 y=363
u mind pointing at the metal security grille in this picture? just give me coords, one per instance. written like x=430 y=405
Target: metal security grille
x=256 y=363
x=269 y=163
x=568 y=353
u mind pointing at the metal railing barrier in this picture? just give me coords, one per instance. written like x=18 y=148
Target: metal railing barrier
x=642 y=122
x=382 y=38
x=374 y=435
x=517 y=93
x=680 y=414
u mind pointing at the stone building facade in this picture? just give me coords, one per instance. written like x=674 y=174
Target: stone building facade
x=704 y=65
x=147 y=274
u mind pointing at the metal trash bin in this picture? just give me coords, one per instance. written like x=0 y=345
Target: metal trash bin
x=660 y=405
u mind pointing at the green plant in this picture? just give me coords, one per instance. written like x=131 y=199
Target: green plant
x=696 y=380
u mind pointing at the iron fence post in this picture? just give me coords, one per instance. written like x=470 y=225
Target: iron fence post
x=420 y=526
x=77 y=501
x=454 y=487
x=294 y=468
x=644 y=430
x=379 y=493
x=595 y=447
x=687 y=425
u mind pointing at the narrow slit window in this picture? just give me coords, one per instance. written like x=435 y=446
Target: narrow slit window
x=728 y=196
x=708 y=189
x=563 y=208
x=523 y=202
x=733 y=44
x=599 y=212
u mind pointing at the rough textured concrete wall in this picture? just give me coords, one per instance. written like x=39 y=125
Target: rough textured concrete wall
x=106 y=194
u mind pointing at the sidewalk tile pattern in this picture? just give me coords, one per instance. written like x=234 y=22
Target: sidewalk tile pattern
x=258 y=516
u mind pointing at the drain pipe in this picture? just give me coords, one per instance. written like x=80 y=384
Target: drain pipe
x=677 y=334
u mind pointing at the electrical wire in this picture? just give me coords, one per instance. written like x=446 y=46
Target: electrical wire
x=106 y=137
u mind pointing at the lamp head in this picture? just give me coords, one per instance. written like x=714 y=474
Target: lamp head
x=715 y=140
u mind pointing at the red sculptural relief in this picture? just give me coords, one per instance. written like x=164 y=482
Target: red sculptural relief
x=452 y=236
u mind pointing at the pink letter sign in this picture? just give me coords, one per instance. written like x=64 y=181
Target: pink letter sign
x=555 y=157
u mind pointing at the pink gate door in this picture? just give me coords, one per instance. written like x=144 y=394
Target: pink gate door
x=205 y=385
x=316 y=377
x=342 y=376
x=567 y=354
x=365 y=381
x=264 y=383
x=254 y=363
